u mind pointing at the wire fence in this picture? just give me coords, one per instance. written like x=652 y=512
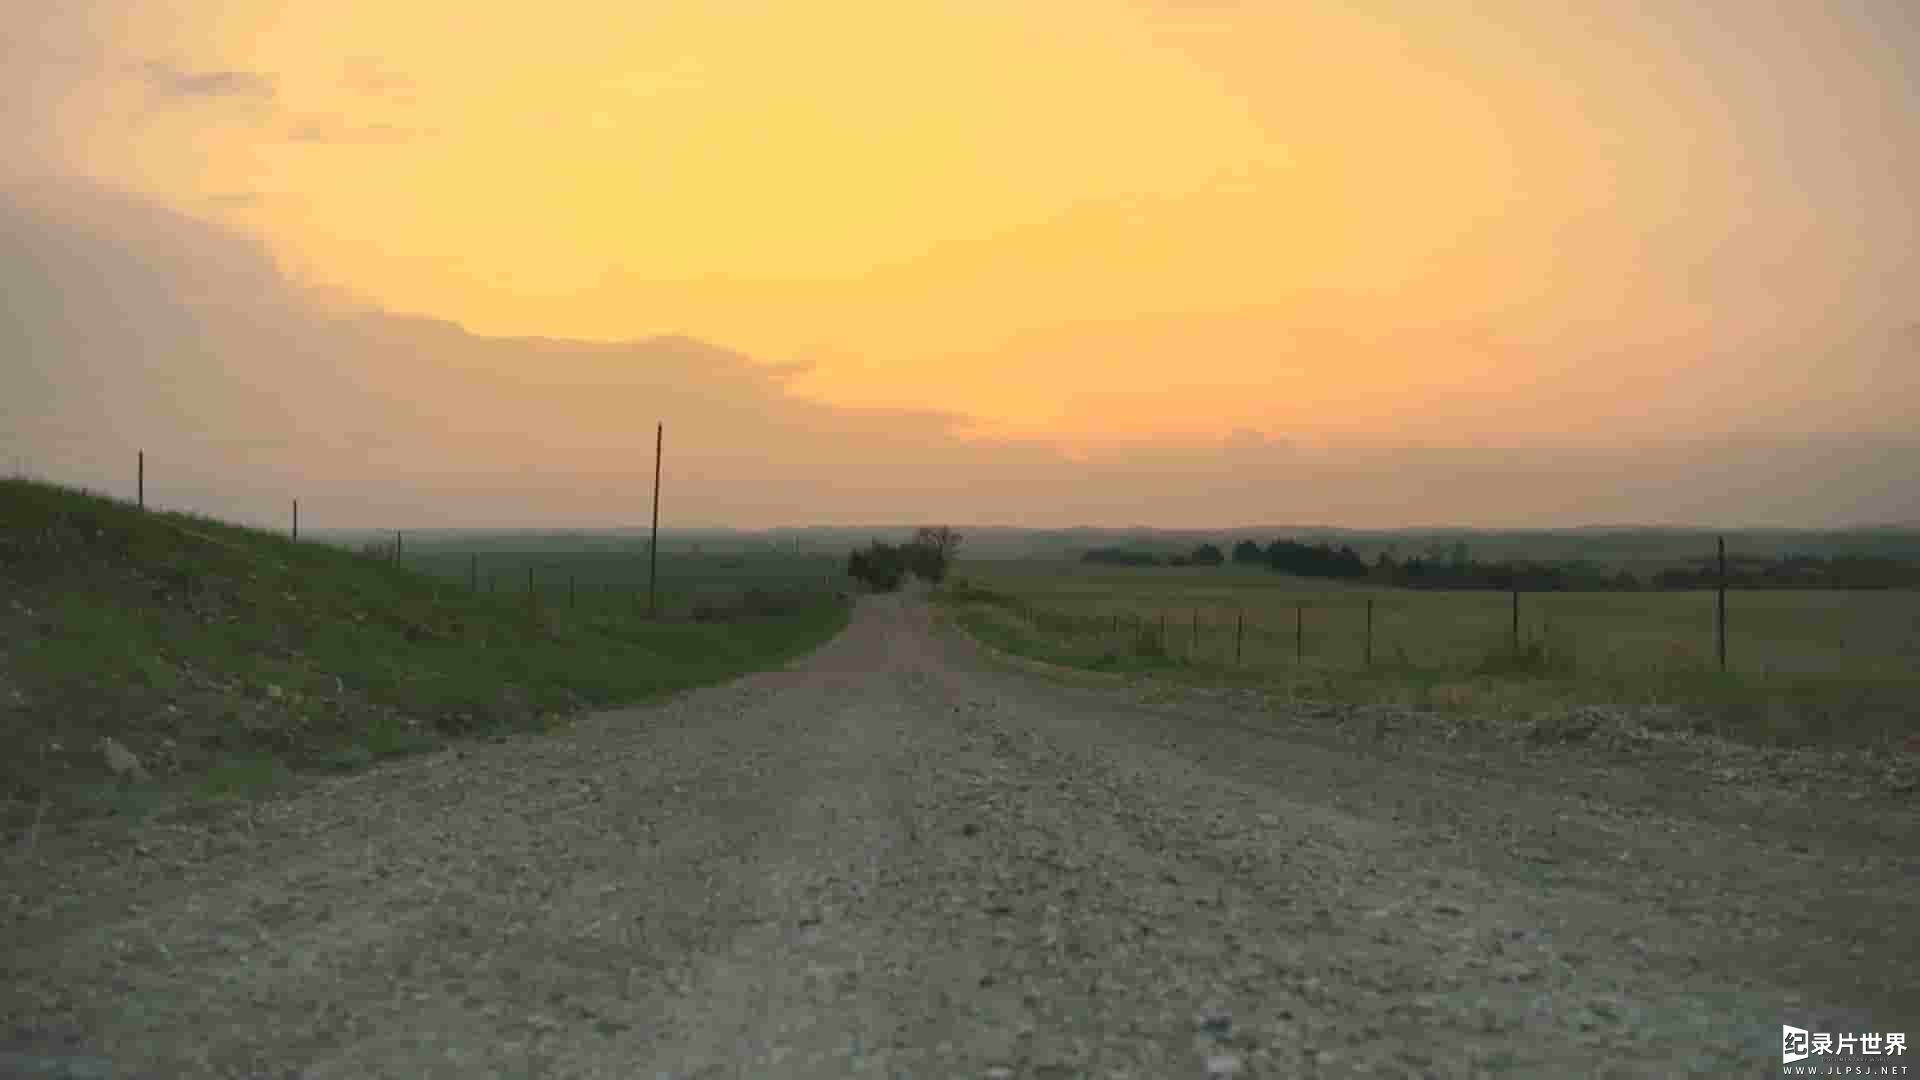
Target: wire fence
x=1869 y=634
x=633 y=579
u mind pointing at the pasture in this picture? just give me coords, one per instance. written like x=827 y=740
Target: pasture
x=1801 y=664
x=605 y=571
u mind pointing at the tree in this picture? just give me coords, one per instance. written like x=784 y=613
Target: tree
x=1114 y=556
x=933 y=547
x=880 y=565
x=1385 y=570
x=1207 y=555
x=1246 y=551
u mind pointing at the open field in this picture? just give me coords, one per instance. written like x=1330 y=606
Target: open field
x=608 y=570
x=596 y=577
x=1641 y=550
x=221 y=657
x=1802 y=664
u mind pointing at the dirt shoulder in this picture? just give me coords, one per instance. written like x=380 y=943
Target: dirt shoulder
x=899 y=855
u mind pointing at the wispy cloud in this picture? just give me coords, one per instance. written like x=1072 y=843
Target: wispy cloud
x=371 y=76
x=338 y=132
x=176 y=83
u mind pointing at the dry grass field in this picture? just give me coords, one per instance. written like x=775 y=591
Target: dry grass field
x=1802 y=665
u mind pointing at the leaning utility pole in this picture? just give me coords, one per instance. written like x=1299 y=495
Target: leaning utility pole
x=653 y=554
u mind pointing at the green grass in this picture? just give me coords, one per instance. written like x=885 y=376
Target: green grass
x=611 y=572
x=225 y=658
x=1803 y=666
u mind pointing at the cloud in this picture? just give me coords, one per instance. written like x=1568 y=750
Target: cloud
x=175 y=83
x=339 y=132
x=371 y=76
x=128 y=327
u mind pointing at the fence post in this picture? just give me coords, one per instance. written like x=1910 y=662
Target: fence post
x=1722 y=623
x=140 y=481
x=1193 y=650
x=1163 y=629
x=569 y=592
x=1516 y=618
x=1369 y=655
x=1299 y=632
x=1239 y=634
x=473 y=570
x=396 y=547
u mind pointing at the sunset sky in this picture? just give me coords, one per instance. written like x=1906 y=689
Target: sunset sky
x=1100 y=262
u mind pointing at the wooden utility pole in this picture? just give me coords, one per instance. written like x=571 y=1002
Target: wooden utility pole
x=653 y=552
x=296 y=519
x=396 y=547
x=140 y=481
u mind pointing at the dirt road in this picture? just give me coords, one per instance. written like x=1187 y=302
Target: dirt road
x=900 y=857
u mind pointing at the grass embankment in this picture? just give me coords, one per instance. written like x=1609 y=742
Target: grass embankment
x=224 y=659
x=1795 y=680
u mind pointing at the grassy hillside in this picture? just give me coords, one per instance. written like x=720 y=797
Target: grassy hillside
x=223 y=658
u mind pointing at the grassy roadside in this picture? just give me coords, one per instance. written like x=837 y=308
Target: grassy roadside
x=223 y=659
x=1542 y=691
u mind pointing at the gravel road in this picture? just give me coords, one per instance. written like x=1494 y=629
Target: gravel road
x=904 y=857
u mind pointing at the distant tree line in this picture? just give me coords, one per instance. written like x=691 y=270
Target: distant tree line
x=1796 y=572
x=1204 y=555
x=1442 y=568
x=883 y=566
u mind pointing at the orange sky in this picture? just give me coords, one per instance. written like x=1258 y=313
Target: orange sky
x=1088 y=224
